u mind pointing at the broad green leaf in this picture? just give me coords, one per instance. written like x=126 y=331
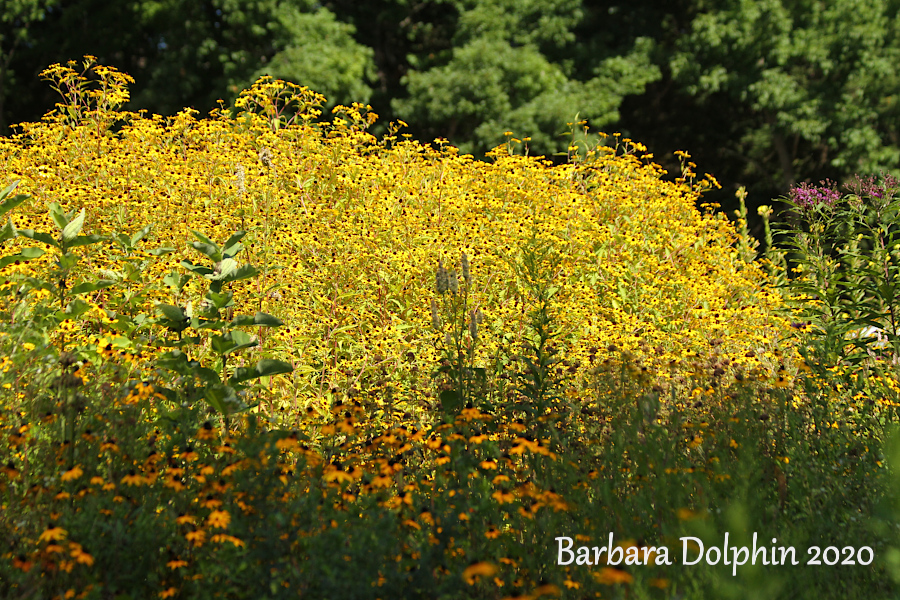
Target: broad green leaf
x=162 y=250
x=264 y=368
x=260 y=319
x=141 y=234
x=198 y=269
x=451 y=402
x=242 y=272
x=204 y=239
x=58 y=216
x=209 y=250
x=91 y=286
x=223 y=269
x=76 y=308
x=85 y=240
x=41 y=237
x=231 y=242
x=173 y=313
x=11 y=203
x=242 y=340
x=220 y=301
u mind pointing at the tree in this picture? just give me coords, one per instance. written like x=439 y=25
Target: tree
x=812 y=85
x=506 y=72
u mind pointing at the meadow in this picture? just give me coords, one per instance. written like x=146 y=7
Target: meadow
x=263 y=355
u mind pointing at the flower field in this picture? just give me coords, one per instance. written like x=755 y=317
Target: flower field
x=259 y=355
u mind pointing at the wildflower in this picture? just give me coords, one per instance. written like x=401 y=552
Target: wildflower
x=53 y=533
x=168 y=592
x=809 y=197
x=132 y=478
x=72 y=474
x=218 y=519
x=79 y=554
x=22 y=563
x=176 y=564
x=477 y=570
x=610 y=576
x=206 y=431
x=197 y=537
x=10 y=470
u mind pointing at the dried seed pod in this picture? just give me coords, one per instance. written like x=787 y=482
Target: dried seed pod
x=454 y=281
x=464 y=265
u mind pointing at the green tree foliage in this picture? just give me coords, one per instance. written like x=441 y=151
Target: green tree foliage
x=184 y=53
x=16 y=20
x=812 y=85
x=501 y=76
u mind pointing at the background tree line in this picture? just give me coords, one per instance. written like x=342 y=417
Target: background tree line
x=762 y=93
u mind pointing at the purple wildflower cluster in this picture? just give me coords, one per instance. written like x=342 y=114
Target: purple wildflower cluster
x=868 y=187
x=808 y=196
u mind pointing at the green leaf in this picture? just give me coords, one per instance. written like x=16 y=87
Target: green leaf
x=76 y=308
x=220 y=301
x=91 y=286
x=141 y=234
x=161 y=251
x=224 y=399
x=41 y=237
x=173 y=313
x=11 y=203
x=232 y=247
x=26 y=255
x=243 y=272
x=209 y=250
x=58 y=216
x=264 y=368
x=198 y=269
x=260 y=319
x=73 y=228
x=451 y=402
x=243 y=339
x=85 y=240
x=223 y=269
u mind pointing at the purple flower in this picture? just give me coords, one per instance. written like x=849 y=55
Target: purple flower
x=808 y=196
x=868 y=187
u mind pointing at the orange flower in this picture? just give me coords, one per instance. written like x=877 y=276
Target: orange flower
x=477 y=570
x=73 y=473
x=53 y=533
x=610 y=576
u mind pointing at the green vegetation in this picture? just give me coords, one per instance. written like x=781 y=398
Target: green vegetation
x=412 y=374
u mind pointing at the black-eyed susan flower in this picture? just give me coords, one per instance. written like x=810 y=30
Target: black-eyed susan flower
x=218 y=519
x=611 y=576
x=53 y=533
x=478 y=569
x=72 y=474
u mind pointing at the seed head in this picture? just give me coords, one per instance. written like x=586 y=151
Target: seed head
x=464 y=264
x=454 y=281
x=442 y=282
x=473 y=324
